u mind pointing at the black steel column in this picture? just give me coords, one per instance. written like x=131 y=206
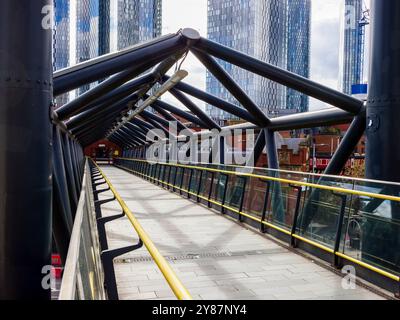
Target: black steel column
x=273 y=163
x=25 y=148
x=257 y=150
x=383 y=106
x=272 y=152
x=383 y=129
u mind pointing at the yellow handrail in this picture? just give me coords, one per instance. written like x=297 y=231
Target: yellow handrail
x=173 y=281
x=288 y=181
x=313 y=243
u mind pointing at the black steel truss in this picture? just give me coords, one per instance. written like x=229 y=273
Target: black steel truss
x=98 y=110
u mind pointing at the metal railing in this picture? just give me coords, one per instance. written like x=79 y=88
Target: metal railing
x=83 y=277
x=173 y=281
x=352 y=220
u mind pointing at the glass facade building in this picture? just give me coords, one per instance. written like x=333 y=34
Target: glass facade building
x=260 y=28
x=353 y=45
x=61 y=40
x=85 y=29
x=299 y=46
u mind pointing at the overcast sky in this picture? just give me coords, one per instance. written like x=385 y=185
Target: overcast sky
x=325 y=38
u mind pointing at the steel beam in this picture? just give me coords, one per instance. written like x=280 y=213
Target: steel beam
x=133 y=125
x=272 y=152
x=179 y=112
x=116 y=108
x=215 y=101
x=169 y=117
x=148 y=117
x=143 y=124
x=211 y=124
x=90 y=71
x=229 y=83
x=127 y=136
x=121 y=142
x=112 y=98
x=347 y=146
x=115 y=96
x=79 y=104
x=137 y=131
x=281 y=76
x=257 y=150
x=96 y=123
x=273 y=163
x=312 y=119
x=157 y=118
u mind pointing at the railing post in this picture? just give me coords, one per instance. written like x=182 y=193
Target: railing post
x=224 y=194
x=240 y=218
x=339 y=228
x=190 y=182
x=265 y=205
x=211 y=188
x=199 y=188
x=182 y=177
x=175 y=175
x=26 y=150
x=296 y=215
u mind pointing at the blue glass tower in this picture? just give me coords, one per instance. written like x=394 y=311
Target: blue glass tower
x=87 y=32
x=298 y=54
x=101 y=26
x=261 y=29
x=61 y=40
x=61 y=36
x=353 y=45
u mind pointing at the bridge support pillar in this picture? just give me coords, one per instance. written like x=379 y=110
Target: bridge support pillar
x=383 y=106
x=25 y=148
x=383 y=130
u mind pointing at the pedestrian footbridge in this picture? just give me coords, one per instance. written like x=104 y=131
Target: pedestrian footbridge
x=169 y=231
x=134 y=229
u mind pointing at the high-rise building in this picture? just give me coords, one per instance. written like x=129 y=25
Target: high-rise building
x=298 y=53
x=99 y=27
x=353 y=37
x=232 y=23
x=61 y=40
x=261 y=28
x=87 y=32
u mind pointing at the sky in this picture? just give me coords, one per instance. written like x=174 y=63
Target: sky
x=325 y=40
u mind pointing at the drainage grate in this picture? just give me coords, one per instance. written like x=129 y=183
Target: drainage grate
x=204 y=255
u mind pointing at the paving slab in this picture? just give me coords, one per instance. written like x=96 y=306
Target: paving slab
x=214 y=257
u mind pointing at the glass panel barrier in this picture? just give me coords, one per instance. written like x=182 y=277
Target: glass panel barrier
x=83 y=277
x=220 y=187
x=370 y=223
x=234 y=191
x=254 y=197
x=194 y=183
x=372 y=233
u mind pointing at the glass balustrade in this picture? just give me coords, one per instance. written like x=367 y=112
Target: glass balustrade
x=340 y=213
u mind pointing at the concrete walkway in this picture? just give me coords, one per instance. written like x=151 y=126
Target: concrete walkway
x=214 y=257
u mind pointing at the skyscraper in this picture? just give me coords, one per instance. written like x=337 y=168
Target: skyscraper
x=87 y=32
x=353 y=37
x=99 y=27
x=61 y=40
x=298 y=53
x=261 y=29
